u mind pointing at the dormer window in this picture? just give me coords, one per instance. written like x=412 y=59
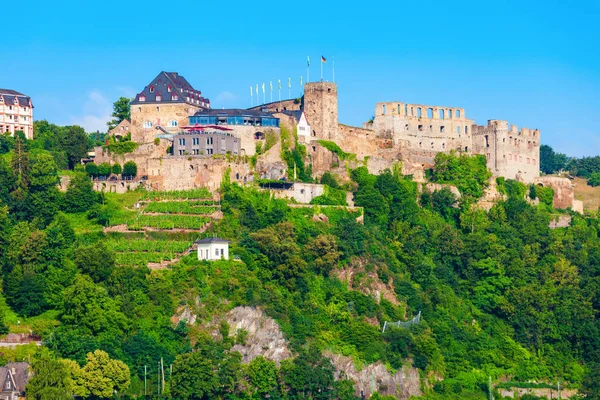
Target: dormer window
x=174 y=97
x=151 y=89
x=158 y=97
x=141 y=98
x=169 y=88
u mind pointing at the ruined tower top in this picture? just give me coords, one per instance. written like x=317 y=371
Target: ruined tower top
x=321 y=109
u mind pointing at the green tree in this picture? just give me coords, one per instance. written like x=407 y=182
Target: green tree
x=262 y=375
x=551 y=162
x=129 y=169
x=92 y=169
x=116 y=169
x=104 y=376
x=104 y=169
x=95 y=260
x=49 y=380
x=121 y=111
x=594 y=179
x=80 y=194
x=73 y=141
x=20 y=163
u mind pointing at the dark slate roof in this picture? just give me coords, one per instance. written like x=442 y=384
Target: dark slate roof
x=233 y=112
x=212 y=240
x=13 y=92
x=20 y=377
x=10 y=95
x=179 y=86
x=294 y=114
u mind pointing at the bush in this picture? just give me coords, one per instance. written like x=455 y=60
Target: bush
x=91 y=169
x=116 y=169
x=104 y=169
x=130 y=169
x=594 y=179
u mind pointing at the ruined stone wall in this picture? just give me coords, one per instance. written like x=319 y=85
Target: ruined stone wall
x=278 y=106
x=564 y=190
x=424 y=127
x=247 y=136
x=321 y=109
x=158 y=114
x=184 y=172
x=510 y=153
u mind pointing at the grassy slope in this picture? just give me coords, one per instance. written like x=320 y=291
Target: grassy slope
x=589 y=195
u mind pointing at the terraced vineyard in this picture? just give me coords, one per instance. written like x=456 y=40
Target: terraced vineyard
x=179 y=215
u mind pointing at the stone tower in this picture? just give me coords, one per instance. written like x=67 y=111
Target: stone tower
x=321 y=109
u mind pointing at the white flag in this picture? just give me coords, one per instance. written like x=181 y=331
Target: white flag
x=279 y=83
x=250 y=91
x=300 y=82
x=271 y=86
x=263 y=87
x=257 y=89
x=290 y=83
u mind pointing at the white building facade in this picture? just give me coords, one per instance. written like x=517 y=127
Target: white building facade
x=212 y=249
x=16 y=113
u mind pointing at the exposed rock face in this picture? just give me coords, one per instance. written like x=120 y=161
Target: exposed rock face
x=375 y=377
x=562 y=221
x=542 y=393
x=264 y=336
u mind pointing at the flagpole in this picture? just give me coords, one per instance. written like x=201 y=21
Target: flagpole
x=308 y=69
x=321 y=69
x=333 y=69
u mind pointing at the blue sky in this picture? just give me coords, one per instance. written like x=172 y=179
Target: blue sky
x=533 y=63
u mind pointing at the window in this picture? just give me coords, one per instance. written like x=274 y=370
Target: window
x=419 y=112
x=172 y=123
x=182 y=142
x=450 y=114
x=430 y=113
x=147 y=125
x=180 y=152
x=406 y=127
x=158 y=97
x=420 y=127
x=441 y=114
x=169 y=88
x=151 y=89
x=209 y=140
x=195 y=152
x=174 y=97
x=458 y=130
x=405 y=109
x=384 y=109
x=442 y=128
x=222 y=252
x=209 y=151
x=398 y=109
x=195 y=141
x=466 y=130
x=217 y=252
x=457 y=113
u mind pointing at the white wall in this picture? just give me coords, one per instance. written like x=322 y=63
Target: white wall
x=213 y=251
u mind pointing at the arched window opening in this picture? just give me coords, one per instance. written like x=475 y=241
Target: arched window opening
x=430 y=113
x=441 y=114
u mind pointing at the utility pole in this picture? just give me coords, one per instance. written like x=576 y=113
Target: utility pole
x=490 y=397
x=158 y=381
x=162 y=370
x=145 y=383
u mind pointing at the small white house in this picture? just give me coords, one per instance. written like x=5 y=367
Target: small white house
x=303 y=127
x=213 y=249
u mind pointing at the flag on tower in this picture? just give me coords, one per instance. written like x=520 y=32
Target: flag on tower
x=308 y=61
x=250 y=91
x=271 y=86
x=323 y=60
x=263 y=87
x=289 y=82
x=257 y=89
x=279 y=83
x=300 y=80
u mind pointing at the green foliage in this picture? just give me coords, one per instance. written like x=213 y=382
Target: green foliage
x=123 y=147
x=116 y=169
x=80 y=195
x=271 y=139
x=121 y=111
x=334 y=148
x=50 y=379
x=129 y=169
x=551 y=162
x=468 y=173
x=331 y=196
x=594 y=179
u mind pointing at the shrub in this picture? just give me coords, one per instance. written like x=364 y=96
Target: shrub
x=594 y=179
x=130 y=169
x=91 y=169
x=116 y=169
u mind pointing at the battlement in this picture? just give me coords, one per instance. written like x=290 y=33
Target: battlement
x=495 y=125
x=327 y=87
x=420 y=111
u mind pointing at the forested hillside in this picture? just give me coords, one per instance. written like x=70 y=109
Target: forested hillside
x=501 y=295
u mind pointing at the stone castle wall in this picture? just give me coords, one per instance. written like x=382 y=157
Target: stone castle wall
x=510 y=153
x=159 y=115
x=321 y=109
x=279 y=106
x=433 y=128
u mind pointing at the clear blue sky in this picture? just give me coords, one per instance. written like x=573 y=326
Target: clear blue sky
x=533 y=63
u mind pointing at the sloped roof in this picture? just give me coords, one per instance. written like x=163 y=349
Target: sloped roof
x=211 y=240
x=9 y=97
x=20 y=377
x=160 y=85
